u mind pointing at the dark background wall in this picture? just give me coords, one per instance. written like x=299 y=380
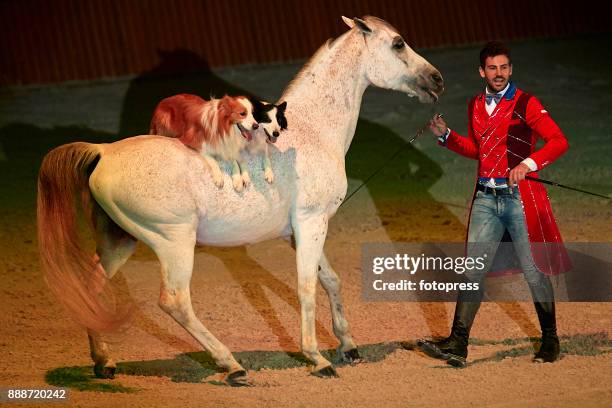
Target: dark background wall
x=44 y=41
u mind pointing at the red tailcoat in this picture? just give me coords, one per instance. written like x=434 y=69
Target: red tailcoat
x=500 y=142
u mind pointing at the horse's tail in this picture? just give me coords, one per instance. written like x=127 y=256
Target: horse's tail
x=74 y=276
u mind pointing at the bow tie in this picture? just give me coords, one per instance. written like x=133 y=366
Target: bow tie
x=491 y=97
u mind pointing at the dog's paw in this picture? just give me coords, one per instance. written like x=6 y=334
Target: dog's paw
x=246 y=179
x=217 y=177
x=237 y=182
x=269 y=176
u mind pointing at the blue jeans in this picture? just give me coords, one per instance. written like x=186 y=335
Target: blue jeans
x=491 y=215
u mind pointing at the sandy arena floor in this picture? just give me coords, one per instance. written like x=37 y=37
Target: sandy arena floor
x=247 y=296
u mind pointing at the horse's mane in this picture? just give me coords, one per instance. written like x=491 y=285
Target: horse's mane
x=323 y=49
x=380 y=21
x=302 y=72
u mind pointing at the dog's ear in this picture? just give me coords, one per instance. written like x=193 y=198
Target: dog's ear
x=224 y=103
x=260 y=111
x=282 y=107
x=268 y=107
x=257 y=105
x=228 y=106
x=281 y=118
x=225 y=106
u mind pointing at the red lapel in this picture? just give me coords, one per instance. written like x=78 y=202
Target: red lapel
x=485 y=124
x=480 y=116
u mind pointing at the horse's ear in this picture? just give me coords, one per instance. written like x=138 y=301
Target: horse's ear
x=348 y=22
x=362 y=26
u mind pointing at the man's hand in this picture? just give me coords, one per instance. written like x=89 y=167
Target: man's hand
x=437 y=125
x=518 y=173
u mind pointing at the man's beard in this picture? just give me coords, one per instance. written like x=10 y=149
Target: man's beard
x=493 y=86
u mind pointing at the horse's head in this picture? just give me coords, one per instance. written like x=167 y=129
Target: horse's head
x=390 y=63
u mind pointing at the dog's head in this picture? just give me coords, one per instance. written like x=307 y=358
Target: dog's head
x=271 y=117
x=238 y=111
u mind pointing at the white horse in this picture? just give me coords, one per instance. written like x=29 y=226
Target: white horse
x=156 y=190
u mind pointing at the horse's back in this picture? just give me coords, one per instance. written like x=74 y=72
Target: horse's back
x=146 y=182
x=150 y=182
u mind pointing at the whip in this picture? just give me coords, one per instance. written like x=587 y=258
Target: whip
x=393 y=156
x=420 y=131
x=553 y=183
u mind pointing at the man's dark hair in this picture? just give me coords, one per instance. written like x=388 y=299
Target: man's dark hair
x=492 y=49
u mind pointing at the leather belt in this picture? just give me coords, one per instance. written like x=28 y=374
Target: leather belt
x=494 y=191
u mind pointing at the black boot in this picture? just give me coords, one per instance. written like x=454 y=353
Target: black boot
x=549 y=349
x=453 y=349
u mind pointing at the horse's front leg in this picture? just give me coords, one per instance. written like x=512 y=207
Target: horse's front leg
x=310 y=232
x=331 y=283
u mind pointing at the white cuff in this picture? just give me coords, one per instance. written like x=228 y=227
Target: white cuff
x=442 y=138
x=531 y=164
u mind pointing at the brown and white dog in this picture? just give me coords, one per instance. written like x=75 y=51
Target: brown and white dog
x=218 y=128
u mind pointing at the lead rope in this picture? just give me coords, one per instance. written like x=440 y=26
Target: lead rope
x=393 y=156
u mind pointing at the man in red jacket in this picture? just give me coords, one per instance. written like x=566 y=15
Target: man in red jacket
x=504 y=124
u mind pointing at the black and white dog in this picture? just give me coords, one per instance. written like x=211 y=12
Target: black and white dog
x=272 y=122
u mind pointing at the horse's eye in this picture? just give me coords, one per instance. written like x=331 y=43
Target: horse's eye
x=243 y=114
x=398 y=44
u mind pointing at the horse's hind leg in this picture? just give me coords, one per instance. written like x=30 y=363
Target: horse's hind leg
x=176 y=256
x=331 y=283
x=114 y=246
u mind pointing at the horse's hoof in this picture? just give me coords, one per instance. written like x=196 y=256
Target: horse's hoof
x=351 y=356
x=238 y=379
x=101 y=371
x=326 y=372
